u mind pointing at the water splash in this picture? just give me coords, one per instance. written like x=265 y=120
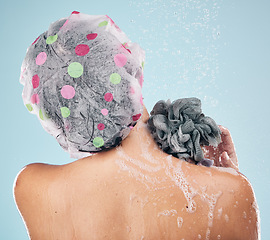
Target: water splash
x=181 y=39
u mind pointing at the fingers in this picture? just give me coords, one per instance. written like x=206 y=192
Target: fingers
x=226 y=161
x=226 y=139
x=224 y=155
x=212 y=153
x=227 y=144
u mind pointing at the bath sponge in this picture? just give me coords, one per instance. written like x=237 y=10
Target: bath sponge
x=180 y=129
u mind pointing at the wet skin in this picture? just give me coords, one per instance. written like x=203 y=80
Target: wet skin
x=136 y=191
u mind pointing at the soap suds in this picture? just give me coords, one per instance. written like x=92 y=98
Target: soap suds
x=226 y=218
x=145 y=171
x=219 y=213
x=179 y=222
x=227 y=170
x=172 y=212
x=177 y=176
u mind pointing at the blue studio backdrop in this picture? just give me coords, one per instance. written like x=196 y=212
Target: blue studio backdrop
x=215 y=50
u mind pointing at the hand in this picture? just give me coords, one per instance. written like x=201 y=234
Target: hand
x=224 y=154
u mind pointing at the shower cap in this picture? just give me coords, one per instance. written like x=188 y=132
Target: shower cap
x=180 y=128
x=83 y=79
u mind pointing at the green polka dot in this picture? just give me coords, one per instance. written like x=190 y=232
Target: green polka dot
x=98 y=142
x=143 y=65
x=115 y=78
x=29 y=107
x=41 y=115
x=104 y=23
x=65 y=112
x=75 y=69
x=51 y=39
x=46 y=115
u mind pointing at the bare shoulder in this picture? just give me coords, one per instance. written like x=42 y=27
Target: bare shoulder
x=236 y=214
x=33 y=171
x=232 y=202
x=31 y=196
x=26 y=176
x=30 y=181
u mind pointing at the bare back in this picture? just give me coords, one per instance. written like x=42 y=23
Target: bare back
x=135 y=191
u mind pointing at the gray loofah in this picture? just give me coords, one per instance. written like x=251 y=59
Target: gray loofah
x=180 y=128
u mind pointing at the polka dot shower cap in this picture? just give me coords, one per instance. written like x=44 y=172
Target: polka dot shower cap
x=83 y=79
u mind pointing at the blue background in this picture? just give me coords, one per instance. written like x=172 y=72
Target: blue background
x=215 y=50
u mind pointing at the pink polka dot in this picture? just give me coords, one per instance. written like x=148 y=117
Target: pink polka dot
x=81 y=49
x=104 y=111
x=113 y=23
x=132 y=91
x=75 y=12
x=35 y=81
x=131 y=127
x=91 y=36
x=136 y=117
x=67 y=126
x=125 y=46
x=100 y=126
x=108 y=97
x=66 y=22
x=41 y=58
x=141 y=80
x=120 y=60
x=35 y=41
x=35 y=98
x=67 y=92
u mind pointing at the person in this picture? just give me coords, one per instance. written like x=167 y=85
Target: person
x=131 y=188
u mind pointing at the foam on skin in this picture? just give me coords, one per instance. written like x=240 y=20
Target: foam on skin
x=144 y=170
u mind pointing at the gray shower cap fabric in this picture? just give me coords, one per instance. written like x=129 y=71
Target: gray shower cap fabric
x=83 y=79
x=180 y=128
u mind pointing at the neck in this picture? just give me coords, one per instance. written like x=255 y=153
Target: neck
x=139 y=133
x=145 y=115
